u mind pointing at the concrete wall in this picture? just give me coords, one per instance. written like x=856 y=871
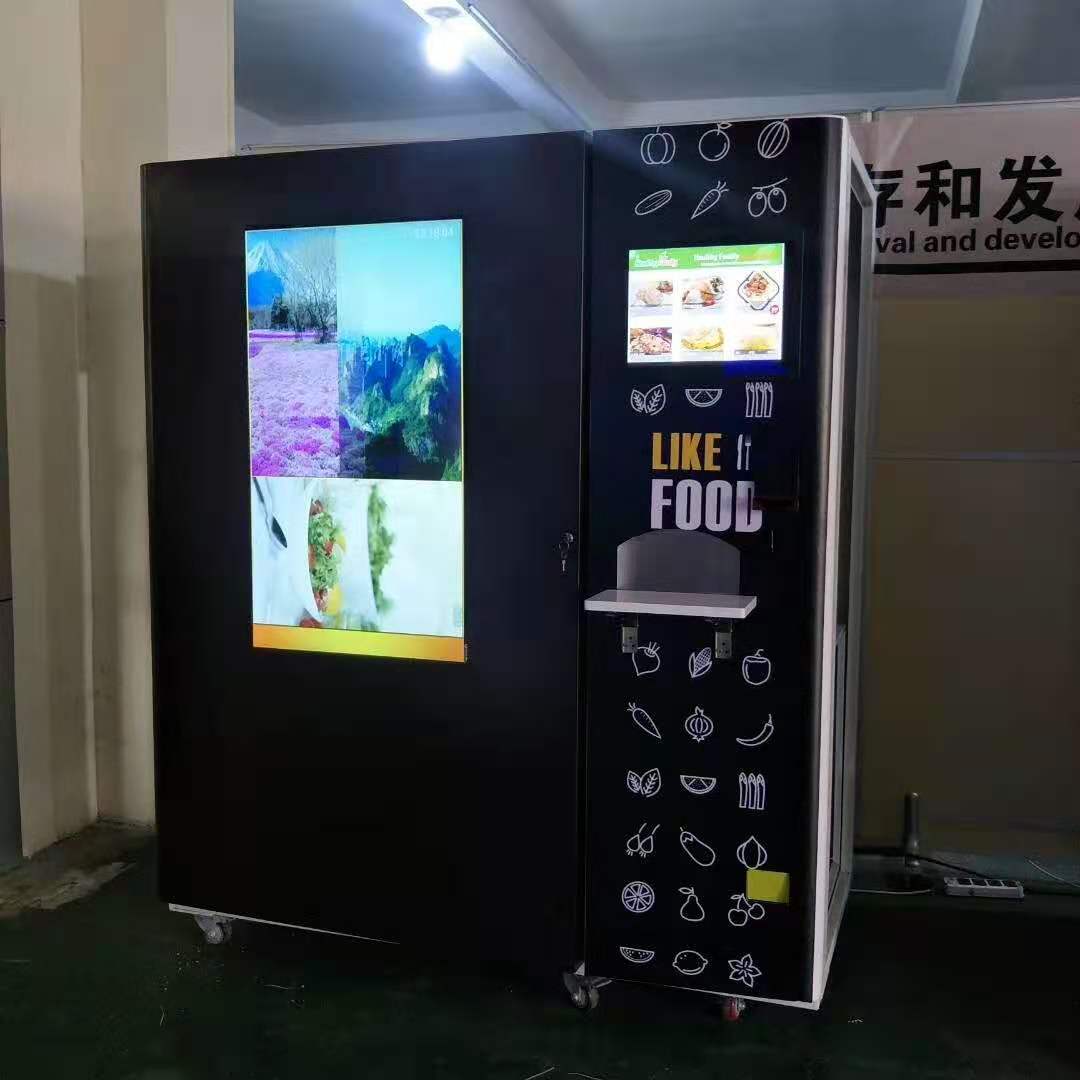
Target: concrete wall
x=157 y=84
x=972 y=679
x=89 y=91
x=124 y=124
x=40 y=154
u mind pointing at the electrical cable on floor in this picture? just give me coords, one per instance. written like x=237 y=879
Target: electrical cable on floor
x=894 y=892
x=899 y=853
x=1032 y=887
x=1050 y=874
x=952 y=866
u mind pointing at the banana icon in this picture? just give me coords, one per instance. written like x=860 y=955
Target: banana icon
x=762 y=737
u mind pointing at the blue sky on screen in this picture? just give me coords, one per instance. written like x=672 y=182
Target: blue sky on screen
x=397 y=279
x=285 y=240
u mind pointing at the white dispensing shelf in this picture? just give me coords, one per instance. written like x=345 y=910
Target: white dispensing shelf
x=695 y=605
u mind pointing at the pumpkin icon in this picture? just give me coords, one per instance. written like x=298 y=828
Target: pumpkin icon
x=715 y=143
x=658 y=147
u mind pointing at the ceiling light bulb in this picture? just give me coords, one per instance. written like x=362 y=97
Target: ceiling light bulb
x=443 y=46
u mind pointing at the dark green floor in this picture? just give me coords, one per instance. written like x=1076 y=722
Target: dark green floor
x=114 y=986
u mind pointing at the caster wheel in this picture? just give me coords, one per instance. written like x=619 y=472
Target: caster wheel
x=215 y=931
x=732 y=1009
x=583 y=995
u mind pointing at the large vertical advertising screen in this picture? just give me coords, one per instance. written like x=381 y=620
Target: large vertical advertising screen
x=357 y=456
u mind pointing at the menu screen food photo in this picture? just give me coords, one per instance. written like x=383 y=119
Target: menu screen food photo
x=355 y=403
x=706 y=304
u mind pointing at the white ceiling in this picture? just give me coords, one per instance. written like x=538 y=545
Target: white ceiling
x=1024 y=50
x=645 y=50
x=336 y=61
x=325 y=71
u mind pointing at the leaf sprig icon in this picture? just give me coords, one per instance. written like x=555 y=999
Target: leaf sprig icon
x=649 y=402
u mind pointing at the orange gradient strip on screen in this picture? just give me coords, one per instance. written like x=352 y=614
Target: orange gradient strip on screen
x=358 y=642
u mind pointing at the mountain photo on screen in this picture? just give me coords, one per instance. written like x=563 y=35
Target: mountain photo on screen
x=355 y=396
x=399 y=380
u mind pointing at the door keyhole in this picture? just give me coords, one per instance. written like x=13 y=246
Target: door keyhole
x=566 y=542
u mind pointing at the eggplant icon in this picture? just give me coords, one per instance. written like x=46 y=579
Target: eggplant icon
x=698 y=851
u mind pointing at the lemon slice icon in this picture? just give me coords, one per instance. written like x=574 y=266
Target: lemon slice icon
x=698 y=785
x=703 y=396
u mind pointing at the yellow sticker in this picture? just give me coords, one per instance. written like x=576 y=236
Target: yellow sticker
x=769 y=886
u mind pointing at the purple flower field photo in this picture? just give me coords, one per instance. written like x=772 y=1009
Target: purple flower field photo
x=294 y=407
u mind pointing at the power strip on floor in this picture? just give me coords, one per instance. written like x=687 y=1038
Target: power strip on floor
x=999 y=888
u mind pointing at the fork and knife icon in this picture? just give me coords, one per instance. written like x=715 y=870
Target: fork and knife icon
x=742 y=457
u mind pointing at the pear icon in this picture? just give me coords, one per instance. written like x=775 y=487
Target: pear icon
x=691 y=909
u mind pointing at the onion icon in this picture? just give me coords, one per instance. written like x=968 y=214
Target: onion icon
x=698 y=726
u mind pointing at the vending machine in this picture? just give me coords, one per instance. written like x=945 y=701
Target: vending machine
x=506 y=504
x=363 y=394
x=728 y=420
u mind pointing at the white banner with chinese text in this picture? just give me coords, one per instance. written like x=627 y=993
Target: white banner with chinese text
x=973 y=189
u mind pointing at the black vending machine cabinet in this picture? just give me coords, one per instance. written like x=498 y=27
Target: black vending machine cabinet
x=363 y=389
x=727 y=425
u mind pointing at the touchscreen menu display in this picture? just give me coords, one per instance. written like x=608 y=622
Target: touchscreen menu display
x=706 y=304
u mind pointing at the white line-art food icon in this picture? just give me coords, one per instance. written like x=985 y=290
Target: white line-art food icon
x=703 y=396
x=698 y=785
x=771 y=197
x=646 y=659
x=658 y=147
x=636 y=956
x=641 y=843
x=700 y=662
x=773 y=140
x=710 y=199
x=743 y=970
x=762 y=737
x=696 y=848
x=759 y=400
x=752 y=853
x=651 y=203
x=743 y=910
x=649 y=402
x=691 y=909
x=715 y=143
x=756 y=668
x=638 y=897
x=689 y=962
x=742 y=461
x=698 y=726
x=751 y=791
x=646 y=783
x=643 y=720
